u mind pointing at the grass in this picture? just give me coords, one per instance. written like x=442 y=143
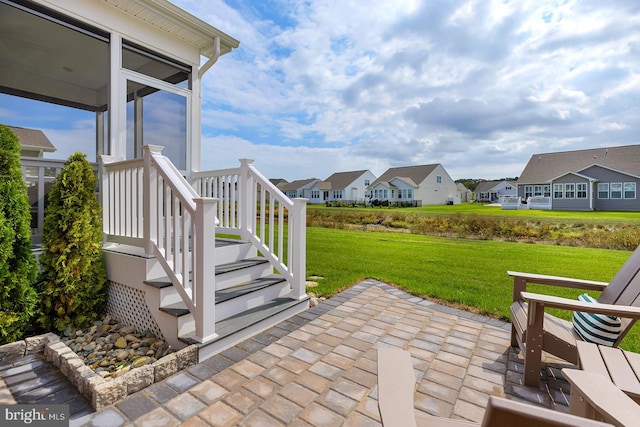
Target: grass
x=466 y=273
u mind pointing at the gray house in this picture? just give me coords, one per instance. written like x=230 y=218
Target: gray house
x=593 y=179
x=494 y=191
x=299 y=188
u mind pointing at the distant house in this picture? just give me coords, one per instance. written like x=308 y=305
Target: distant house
x=495 y=191
x=33 y=142
x=299 y=188
x=347 y=187
x=593 y=179
x=419 y=185
x=278 y=182
x=463 y=192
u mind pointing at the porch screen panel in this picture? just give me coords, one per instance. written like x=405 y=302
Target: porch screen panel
x=156 y=117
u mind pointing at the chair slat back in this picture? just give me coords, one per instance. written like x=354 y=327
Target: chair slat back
x=624 y=288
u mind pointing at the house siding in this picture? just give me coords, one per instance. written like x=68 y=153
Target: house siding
x=433 y=193
x=608 y=176
x=573 y=204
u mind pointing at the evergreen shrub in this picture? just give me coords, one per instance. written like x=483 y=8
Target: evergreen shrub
x=73 y=281
x=18 y=268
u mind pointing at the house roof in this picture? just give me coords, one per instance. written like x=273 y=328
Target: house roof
x=278 y=182
x=340 y=180
x=544 y=167
x=33 y=139
x=486 y=186
x=296 y=185
x=417 y=174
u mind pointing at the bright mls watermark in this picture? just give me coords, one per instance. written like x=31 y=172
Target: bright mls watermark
x=34 y=415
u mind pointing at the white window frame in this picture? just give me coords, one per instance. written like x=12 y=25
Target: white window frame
x=558 y=191
x=603 y=190
x=438 y=179
x=581 y=190
x=570 y=190
x=618 y=189
x=624 y=190
x=528 y=191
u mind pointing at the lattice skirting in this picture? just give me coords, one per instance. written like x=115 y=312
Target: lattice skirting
x=127 y=305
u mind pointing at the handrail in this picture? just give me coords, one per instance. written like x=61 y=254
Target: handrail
x=149 y=203
x=253 y=208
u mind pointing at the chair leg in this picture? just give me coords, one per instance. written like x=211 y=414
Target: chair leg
x=533 y=346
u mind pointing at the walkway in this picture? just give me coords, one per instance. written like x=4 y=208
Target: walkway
x=319 y=369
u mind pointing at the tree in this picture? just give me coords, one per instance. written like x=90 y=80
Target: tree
x=73 y=280
x=17 y=263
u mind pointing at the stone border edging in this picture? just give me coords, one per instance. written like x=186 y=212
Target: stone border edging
x=99 y=392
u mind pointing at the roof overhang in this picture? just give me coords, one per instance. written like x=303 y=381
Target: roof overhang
x=181 y=24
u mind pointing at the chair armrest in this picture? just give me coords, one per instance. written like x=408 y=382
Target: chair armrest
x=629 y=312
x=592 y=392
x=566 y=282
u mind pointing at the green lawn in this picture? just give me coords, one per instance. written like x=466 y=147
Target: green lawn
x=471 y=273
x=481 y=209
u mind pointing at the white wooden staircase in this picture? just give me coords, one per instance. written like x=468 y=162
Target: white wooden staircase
x=249 y=298
x=213 y=292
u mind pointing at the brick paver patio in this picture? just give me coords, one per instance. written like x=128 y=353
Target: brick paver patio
x=319 y=369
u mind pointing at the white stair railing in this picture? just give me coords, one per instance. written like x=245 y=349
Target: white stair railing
x=252 y=207
x=148 y=202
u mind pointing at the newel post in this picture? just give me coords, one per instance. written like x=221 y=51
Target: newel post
x=204 y=274
x=298 y=257
x=150 y=198
x=246 y=204
x=106 y=194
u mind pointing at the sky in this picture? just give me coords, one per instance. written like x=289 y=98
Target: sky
x=479 y=86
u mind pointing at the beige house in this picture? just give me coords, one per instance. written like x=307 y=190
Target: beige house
x=417 y=185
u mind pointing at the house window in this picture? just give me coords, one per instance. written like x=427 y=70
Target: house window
x=528 y=191
x=547 y=191
x=616 y=190
x=400 y=194
x=538 y=190
x=438 y=179
x=337 y=194
x=315 y=194
x=409 y=194
x=629 y=190
x=603 y=190
x=569 y=191
x=366 y=182
x=581 y=190
x=508 y=187
x=558 y=191
x=384 y=194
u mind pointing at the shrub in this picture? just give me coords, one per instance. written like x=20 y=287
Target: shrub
x=73 y=281
x=17 y=262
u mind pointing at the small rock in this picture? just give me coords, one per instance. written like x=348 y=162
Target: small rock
x=121 y=371
x=120 y=343
x=127 y=330
x=104 y=374
x=122 y=355
x=135 y=345
x=140 y=362
x=104 y=329
x=68 y=332
x=131 y=338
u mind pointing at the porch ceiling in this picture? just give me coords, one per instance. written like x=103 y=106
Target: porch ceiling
x=43 y=60
x=40 y=59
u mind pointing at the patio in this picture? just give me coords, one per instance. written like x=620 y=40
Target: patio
x=319 y=369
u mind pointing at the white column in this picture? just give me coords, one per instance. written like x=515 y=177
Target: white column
x=204 y=276
x=298 y=257
x=117 y=101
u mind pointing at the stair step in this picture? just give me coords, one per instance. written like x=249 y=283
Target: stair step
x=165 y=282
x=246 y=319
x=180 y=309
